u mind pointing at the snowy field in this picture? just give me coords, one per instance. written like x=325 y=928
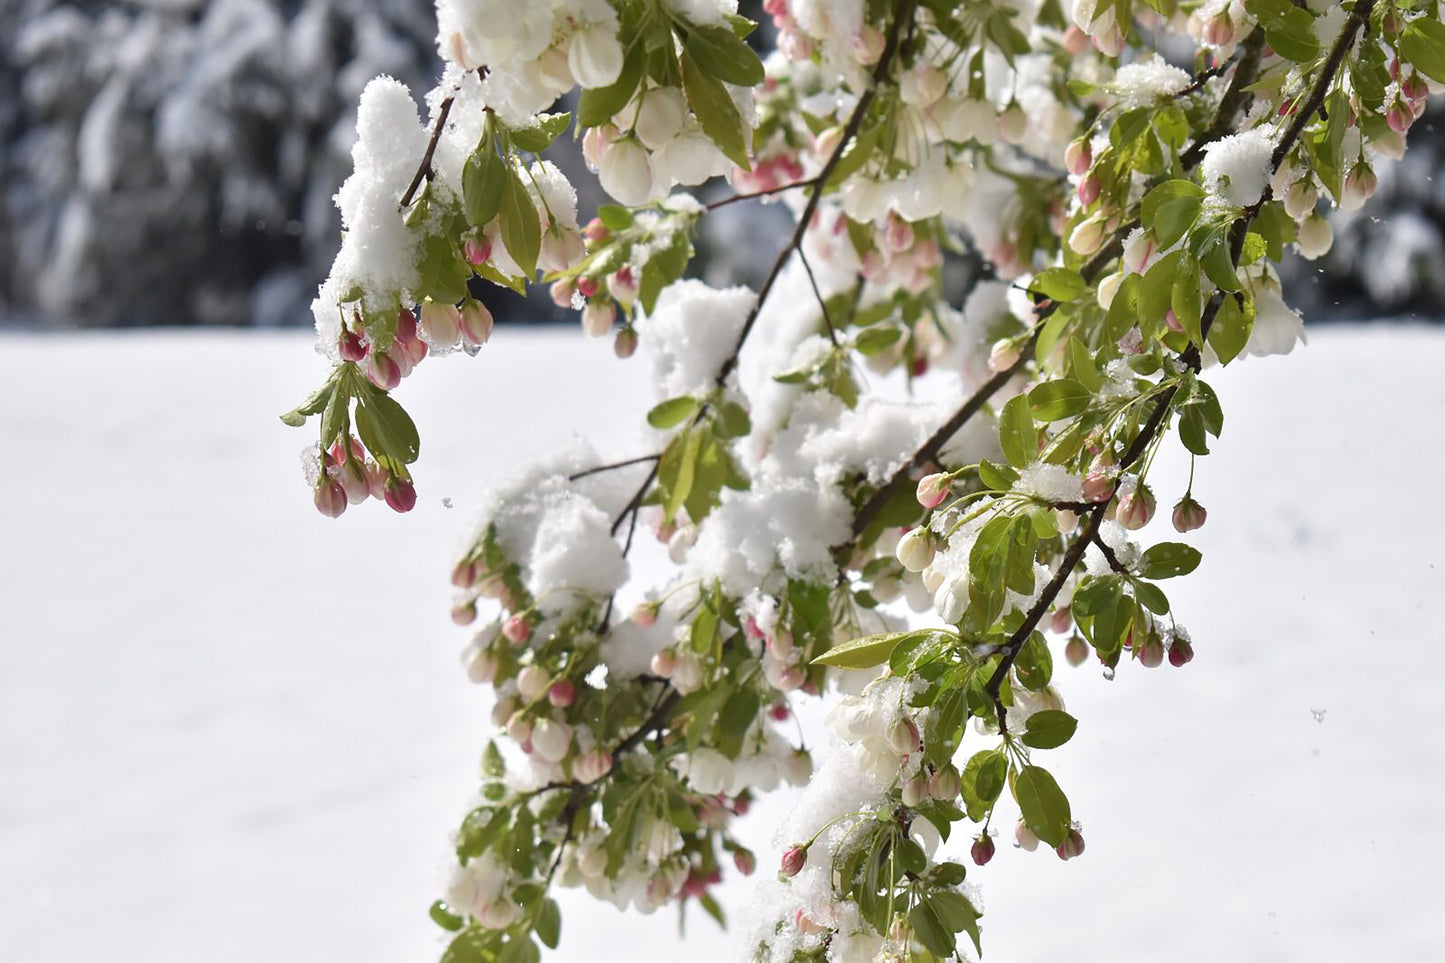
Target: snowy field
x=232 y=729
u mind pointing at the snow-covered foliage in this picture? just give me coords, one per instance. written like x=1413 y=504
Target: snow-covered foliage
x=174 y=163
x=841 y=445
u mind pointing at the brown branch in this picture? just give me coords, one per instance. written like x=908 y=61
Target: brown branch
x=614 y=465
x=423 y=170
x=766 y=192
x=822 y=305
x=1235 y=98
x=855 y=121
x=1358 y=18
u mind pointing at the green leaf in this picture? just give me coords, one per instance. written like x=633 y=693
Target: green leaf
x=1164 y=193
x=876 y=339
x=930 y=931
x=957 y=913
x=313 y=405
x=1219 y=266
x=999 y=478
x=868 y=651
x=723 y=54
x=1156 y=288
x=1060 y=284
x=1231 y=328
x=1293 y=38
x=983 y=779
x=484 y=178
x=471 y=945
x=521 y=226
x=614 y=217
x=1062 y=398
x=1169 y=559
x=520 y=949
x=549 y=924
x=1423 y=44
x=1152 y=597
x=386 y=429
x=335 y=417
x=1049 y=729
x=442 y=916
x=1084 y=368
x=539 y=137
x=1174 y=218
x=1016 y=432
x=1035 y=666
x=1186 y=300
x=1044 y=807
x=673 y=411
x=715 y=111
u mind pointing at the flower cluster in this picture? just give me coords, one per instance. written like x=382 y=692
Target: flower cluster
x=919 y=562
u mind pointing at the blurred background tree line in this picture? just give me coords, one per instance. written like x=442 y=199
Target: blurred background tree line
x=172 y=162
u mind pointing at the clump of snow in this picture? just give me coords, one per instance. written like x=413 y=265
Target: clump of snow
x=787 y=523
x=1237 y=167
x=1052 y=483
x=1144 y=83
x=690 y=332
x=826 y=439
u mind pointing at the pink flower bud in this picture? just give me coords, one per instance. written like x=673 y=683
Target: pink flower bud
x=1024 y=837
x=1004 y=355
x=562 y=693
x=1088 y=190
x=982 y=850
x=903 y=737
x=562 y=292
x=464 y=613
x=350 y=346
x=592 y=766
x=382 y=371
x=664 y=663
x=622 y=285
x=478 y=250
x=376 y=477
x=780 y=644
x=745 y=861
x=933 y=489
x=792 y=678
x=1076 y=651
x=625 y=344
x=1138 y=251
x=1136 y=508
x=1219 y=31
x=645 y=614
x=561 y=249
x=1073 y=845
x=400 y=494
x=441 y=323
x=1181 y=653
x=1188 y=515
x=588 y=286
x=793 y=860
x=464 y=574
x=914 y=790
x=1151 y=653
x=1361 y=183
x=476 y=323
x=329 y=497
x=405 y=326
x=945 y=784
x=1075 y=40
x=867 y=44
x=1399 y=117
x=898 y=234
x=1088 y=236
x=1078 y=157
x=1098 y=485
x=519 y=729
x=1414 y=88
x=517 y=629
x=1061 y=620
x=595 y=230
x=597 y=319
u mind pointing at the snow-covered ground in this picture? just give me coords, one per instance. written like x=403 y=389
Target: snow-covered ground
x=231 y=729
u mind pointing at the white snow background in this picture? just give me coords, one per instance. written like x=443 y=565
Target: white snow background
x=232 y=729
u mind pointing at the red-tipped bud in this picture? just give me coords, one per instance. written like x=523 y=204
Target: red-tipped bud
x=1076 y=651
x=400 y=494
x=595 y=230
x=914 y=790
x=903 y=737
x=592 y=766
x=476 y=323
x=562 y=292
x=562 y=693
x=1399 y=117
x=1073 y=845
x=1151 y=653
x=1136 y=508
x=517 y=629
x=794 y=858
x=625 y=344
x=1188 y=515
x=1181 y=653
x=1089 y=190
x=330 y=498
x=478 y=250
x=405 y=326
x=1098 y=485
x=933 y=489
x=1078 y=157
x=945 y=784
x=382 y=371
x=982 y=850
x=645 y=614
x=1061 y=619
x=350 y=346
x=745 y=861
x=464 y=574
x=664 y=663
x=464 y=613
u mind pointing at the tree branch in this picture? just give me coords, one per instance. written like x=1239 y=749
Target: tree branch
x=423 y=170
x=616 y=464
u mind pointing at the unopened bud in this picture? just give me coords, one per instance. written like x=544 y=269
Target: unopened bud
x=476 y=323
x=794 y=858
x=517 y=629
x=400 y=494
x=1151 y=653
x=914 y=790
x=903 y=737
x=933 y=489
x=350 y=346
x=1098 y=486
x=1024 y=837
x=464 y=613
x=745 y=861
x=645 y=614
x=1181 y=653
x=1073 y=845
x=329 y=497
x=1088 y=236
x=982 y=850
x=625 y=344
x=664 y=663
x=1076 y=651
x=945 y=784
x=1188 y=515
x=441 y=323
x=915 y=550
x=597 y=318
x=1004 y=355
x=1088 y=190
x=562 y=693
x=478 y=250
x=1136 y=508
x=1078 y=157
x=592 y=766
x=1316 y=237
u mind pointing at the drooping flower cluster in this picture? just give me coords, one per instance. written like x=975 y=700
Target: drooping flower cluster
x=922 y=560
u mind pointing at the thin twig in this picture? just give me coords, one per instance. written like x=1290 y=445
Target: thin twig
x=766 y=192
x=616 y=464
x=423 y=170
x=822 y=305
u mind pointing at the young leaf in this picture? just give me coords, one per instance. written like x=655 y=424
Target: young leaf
x=1044 y=807
x=1168 y=559
x=715 y=111
x=1060 y=284
x=521 y=227
x=483 y=179
x=723 y=54
x=1016 y=432
x=673 y=411
x=1062 y=398
x=538 y=138
x=1049 y=729
x=868 y=651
